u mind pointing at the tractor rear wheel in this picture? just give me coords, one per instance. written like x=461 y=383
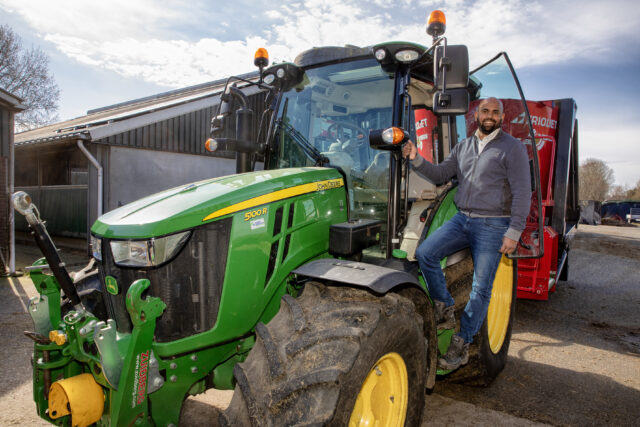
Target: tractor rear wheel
x=334 y=356
x=488 y=352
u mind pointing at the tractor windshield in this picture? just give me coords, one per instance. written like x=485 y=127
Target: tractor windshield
x=325 y=121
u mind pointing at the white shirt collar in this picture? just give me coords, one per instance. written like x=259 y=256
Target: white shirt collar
x=487 y=139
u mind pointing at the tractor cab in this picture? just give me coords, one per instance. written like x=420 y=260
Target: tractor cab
x=334 y=103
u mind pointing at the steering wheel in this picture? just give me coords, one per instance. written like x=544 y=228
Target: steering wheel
x=346 y=132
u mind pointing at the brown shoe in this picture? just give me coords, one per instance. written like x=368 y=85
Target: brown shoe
x=457 y=354
x=445 y=316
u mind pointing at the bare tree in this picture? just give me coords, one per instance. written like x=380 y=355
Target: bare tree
x=634 y=193
x=625 y=192
x=618 y=192
x=596 y=179
x=25 y=73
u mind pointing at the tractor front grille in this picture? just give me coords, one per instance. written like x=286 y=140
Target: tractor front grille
x=190 y=284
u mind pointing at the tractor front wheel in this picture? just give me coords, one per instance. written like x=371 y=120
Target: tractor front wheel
x=334 y=356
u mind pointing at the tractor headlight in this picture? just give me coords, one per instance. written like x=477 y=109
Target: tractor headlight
x=96 y=247
x=148 y=253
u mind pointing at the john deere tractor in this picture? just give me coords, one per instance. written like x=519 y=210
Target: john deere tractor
x=294 y=281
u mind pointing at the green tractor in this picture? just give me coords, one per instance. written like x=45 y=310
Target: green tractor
x=295 y=284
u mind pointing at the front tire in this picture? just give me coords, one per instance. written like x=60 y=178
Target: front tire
x=327 y=350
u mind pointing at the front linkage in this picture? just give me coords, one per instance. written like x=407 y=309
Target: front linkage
x=84 y=357
x=86 y=372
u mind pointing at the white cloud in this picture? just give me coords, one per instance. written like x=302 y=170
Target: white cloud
x=130 y=37
x=542 y=32
x=100 y=20
x=169 y=63
x=159 y=42
x=273 y=14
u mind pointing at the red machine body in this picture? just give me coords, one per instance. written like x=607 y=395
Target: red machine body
x=537 y=277
x=555 y=129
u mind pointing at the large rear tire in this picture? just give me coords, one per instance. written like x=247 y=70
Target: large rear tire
x=327 y=350
x=488 y=352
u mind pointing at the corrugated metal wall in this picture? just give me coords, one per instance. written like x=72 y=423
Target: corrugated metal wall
x=186 y=133
x=64 y=208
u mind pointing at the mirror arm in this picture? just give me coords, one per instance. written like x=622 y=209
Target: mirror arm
x=436 y=43
x=444 y=62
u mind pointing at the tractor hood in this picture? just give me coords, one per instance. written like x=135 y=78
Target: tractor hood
x=194 y=204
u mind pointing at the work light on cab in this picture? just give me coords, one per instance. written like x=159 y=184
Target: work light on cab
x=388 y=139
x=436 y=23
x=407 y=55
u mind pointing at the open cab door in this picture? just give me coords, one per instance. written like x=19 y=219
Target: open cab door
x=497 y=78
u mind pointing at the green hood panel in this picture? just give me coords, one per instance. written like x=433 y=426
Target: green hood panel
x=188 y=206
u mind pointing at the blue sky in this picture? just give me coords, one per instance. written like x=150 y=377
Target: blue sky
x=105 y=52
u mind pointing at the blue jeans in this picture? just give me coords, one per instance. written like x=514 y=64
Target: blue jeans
x=484 y=237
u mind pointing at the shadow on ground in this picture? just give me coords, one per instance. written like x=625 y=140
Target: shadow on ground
x=543 y=393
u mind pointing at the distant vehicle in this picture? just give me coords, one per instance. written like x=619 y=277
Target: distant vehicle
x=620 y=210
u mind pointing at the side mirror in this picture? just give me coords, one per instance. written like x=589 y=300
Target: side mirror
x=451 y=67
x=221 y=121
x=453 y=101
x=451 y=76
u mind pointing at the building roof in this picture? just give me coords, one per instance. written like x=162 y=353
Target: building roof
x=110 y=120
x=11 y=101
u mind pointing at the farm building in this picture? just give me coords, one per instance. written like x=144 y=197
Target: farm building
x=78 y=169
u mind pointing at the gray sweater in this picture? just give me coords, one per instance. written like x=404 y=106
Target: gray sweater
x=494 y=183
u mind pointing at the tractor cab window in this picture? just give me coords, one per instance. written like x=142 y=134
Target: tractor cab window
x=326 y=121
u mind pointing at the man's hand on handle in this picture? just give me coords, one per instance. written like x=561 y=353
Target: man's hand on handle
x=409 y=150
x=508 y=246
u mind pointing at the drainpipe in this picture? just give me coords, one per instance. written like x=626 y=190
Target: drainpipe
x=95 y=163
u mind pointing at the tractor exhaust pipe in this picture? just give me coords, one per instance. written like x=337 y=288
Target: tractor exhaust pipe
x=21 y=202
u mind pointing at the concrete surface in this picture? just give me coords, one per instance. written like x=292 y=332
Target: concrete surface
x=573 y=360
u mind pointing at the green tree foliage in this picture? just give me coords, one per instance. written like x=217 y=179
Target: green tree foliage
x=24 y=72
x=596 y=179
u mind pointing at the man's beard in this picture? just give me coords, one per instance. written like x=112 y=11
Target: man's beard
x=488 y=129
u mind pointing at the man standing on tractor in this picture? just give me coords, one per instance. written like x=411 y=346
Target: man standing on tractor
x=493 y=199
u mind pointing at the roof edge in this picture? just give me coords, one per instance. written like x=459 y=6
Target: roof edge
x=12 y=101
x=168 y=93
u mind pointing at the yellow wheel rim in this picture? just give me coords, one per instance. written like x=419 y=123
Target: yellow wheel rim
x=384 y=395
x=499 y=311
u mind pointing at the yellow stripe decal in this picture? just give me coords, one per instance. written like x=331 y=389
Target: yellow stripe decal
x=277 y=195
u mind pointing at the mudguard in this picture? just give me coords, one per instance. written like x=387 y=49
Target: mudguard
x=379 y=279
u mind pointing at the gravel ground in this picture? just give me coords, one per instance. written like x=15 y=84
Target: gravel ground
x=573 y=360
